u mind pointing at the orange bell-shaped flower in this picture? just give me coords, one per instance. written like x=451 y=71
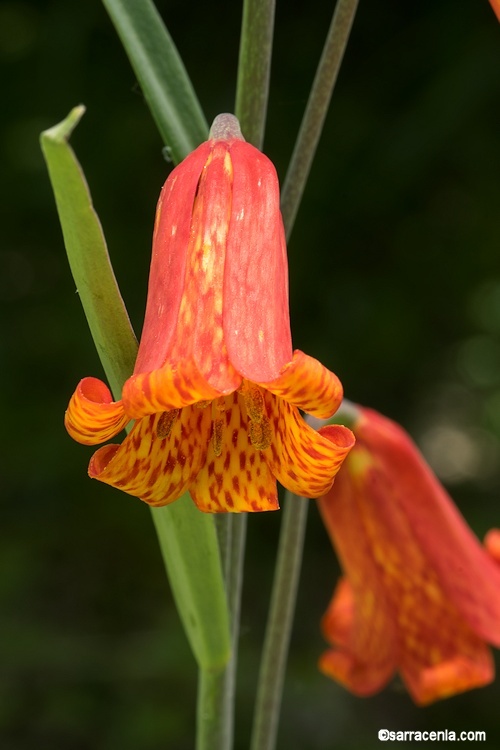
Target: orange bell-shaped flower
x=216 y=388
x=419 y=595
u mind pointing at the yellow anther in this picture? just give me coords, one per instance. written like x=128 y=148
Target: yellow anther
x=254 y=402
x=202 y=404
x=260 y=434
x=220 y=403
x=166 y=422
x=218 y=426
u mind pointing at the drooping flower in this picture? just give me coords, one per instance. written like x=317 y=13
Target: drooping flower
x=216 y=389
x=419 y=594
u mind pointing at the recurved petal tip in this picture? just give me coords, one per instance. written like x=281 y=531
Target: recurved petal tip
x=361 y=679
x=303 y=460
x=453 y=676
x=308 y=385
x=92 y=416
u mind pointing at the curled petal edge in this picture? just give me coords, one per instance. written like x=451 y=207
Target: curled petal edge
x=451 y=676
x=454 y=676
x=363 y=677
x=170 y=387
x=307 y=384
x=92 y=416
x=304 y=460
x=360 y=679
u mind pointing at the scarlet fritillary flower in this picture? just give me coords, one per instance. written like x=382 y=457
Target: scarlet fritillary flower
x=216 y=390
x=420 y=594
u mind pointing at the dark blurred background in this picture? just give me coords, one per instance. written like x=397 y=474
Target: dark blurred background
x=395 y=285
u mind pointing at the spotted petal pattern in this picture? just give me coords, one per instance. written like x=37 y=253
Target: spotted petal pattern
x=238 y=478
x=164 y=389
x=155 y=464
x=303 y=460
x=308 y=385
x=354 y=635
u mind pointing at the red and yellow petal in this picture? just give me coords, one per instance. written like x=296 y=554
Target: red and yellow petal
x=308 y=385
x=169 y=261
x=374 y=639
x=433 y=647
x=359 y=621
x=256 y=317
x=457 y=674
x=92 y=416
x=365 y=669
x=303 y=460
x=159 y=459
x=469 y=577
x=165 y=389
x=235 y=476
x=199 y=335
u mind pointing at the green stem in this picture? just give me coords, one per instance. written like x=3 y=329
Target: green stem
x=235 y=578
x=212 y=729
x=279 y=623
x=224 y=530
x=216 y=689
x=317 y=107
x=254 y=68
x=215 y=716
x=289 y=559
x=234 y=590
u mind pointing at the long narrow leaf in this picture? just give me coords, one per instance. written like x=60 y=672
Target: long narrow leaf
x=88 y=255
x=187 y=537
x=161 y=74
x=191 y=554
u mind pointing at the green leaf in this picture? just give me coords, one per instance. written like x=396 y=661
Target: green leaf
x=187 y=537
x=161 y=74
x=88 y=255
x=191 y=554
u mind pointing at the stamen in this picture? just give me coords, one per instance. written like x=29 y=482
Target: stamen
x=202 y=404
x=166 y=422
x=254 y=402
x=220 y=403
x=218 y=427
x=260 y=434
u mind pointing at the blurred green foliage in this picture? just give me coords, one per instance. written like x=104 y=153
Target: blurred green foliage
x=395 y=285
